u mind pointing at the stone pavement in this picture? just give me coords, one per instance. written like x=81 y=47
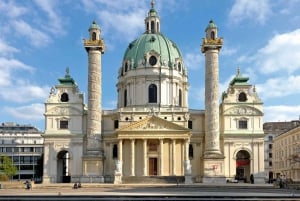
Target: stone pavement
x=195 y=191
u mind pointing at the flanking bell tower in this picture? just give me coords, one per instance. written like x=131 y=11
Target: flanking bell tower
x=213 y=158
x=93 y=156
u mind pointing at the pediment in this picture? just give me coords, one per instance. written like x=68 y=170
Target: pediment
x=153 y=123
x=243 y=110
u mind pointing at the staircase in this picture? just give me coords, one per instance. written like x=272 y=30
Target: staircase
x=153 y=179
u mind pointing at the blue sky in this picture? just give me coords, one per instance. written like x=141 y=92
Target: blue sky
x=40 y=38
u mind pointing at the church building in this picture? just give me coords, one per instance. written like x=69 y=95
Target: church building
x=152 y=135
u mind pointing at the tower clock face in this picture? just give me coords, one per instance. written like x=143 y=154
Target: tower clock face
x=152 y=60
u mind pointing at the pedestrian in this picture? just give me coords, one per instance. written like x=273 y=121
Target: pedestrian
x=252 y=179
x=27 y=185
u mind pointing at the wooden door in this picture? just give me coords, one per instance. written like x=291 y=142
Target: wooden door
x=152 y=166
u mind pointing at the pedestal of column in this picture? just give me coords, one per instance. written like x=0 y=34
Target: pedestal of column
x=214 y=171
x=118 y=172
x=187 y=172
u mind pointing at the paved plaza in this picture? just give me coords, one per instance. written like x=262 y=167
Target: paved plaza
x=151 y=192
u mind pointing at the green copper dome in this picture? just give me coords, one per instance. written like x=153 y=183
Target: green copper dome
x=94 y=25
x=156 y=43
x=211 y=25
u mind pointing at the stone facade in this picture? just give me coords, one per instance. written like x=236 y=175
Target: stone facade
x=152 y=134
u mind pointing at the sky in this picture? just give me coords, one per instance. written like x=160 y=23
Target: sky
x=39 y=39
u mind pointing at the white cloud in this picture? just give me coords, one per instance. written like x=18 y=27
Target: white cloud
x=193 y=60
x=226 y=51
x=35 y=36
x=275 y=56
x=12 y=10
x=281 y=113
x=6 y=49
x=21 y=92
x=55 y=23
x=128 y=26
x=254 y=10
x=15 y=88
x=279 y=87
x=7 y=67
x=28 y=112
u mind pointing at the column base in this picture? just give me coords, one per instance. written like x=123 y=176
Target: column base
x=118 y=179
x=188 y=179
x=214 y=170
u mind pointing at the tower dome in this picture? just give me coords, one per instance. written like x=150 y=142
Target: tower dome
x=152 y=63
x=140 y=52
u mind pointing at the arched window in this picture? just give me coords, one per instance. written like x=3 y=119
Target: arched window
x=94 y=36
x=152 y=93
x=212 y=35
x=152 y=27
x=126 y=67
x=242 y=97
x=179 y=66
x=180 y=98
x=64 y=97
x=125 y=98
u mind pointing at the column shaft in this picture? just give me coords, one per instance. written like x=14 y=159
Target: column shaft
x=145 y=157
x=132 y=158
x=161 y=156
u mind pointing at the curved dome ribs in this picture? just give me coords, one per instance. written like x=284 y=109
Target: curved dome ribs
x=153 y=59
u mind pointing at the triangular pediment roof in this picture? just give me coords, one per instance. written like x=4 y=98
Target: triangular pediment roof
x=153 y=127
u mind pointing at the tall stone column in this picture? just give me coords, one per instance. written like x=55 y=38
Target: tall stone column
x=95 y=48
x=213 y=157
x=93 y=152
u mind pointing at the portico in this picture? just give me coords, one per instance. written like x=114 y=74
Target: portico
x=152 y=147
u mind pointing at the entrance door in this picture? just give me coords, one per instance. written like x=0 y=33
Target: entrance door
x=152 y=166
x=63 y=167
x=243 y=166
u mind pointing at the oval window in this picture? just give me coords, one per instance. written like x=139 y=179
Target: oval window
x=152 y=60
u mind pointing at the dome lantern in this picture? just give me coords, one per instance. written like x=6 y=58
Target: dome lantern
x=152 y=21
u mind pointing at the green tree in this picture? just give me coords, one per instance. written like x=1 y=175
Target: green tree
x=7 y=167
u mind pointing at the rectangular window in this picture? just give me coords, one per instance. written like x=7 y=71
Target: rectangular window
x=63 y=124
x=270 y=155
x=190 y=124
x=116 y=124
x=9 y=149
x=243 y=124
x=270 y=146
x=270 y=138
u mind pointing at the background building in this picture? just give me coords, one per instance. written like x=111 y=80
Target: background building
x=286 y=153
x=272 y=130
x=152 y=135
x=24 y=145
